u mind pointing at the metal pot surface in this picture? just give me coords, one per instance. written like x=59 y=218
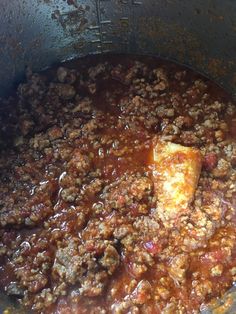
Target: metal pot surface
x=200 y=34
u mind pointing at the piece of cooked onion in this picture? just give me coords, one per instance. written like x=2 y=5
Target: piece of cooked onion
x=176 y=173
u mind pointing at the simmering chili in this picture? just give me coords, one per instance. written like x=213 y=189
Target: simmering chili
x=81 y=228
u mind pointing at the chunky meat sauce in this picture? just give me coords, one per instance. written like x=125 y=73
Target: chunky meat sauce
x=79 y=225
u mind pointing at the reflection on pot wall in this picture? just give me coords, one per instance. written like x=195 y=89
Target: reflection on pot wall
x=198 y=33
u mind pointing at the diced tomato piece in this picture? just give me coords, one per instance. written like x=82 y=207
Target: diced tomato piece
x=134 y=209
x=121 y=200
x=214 y=257
x=210 y=161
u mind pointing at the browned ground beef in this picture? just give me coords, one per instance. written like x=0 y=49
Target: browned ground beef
x=78 y=226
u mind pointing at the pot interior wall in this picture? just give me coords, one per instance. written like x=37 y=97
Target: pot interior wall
x=200 y=34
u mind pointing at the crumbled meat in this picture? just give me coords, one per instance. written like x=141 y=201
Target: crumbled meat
x=217 y=270
x=93 y=284
x=119 y=195
x=68 y=264
x=69 y=195
x=202 y=289
x=184 y=122
x=142 y=293
x=55 y=133
x=14 y=290
x=62 y=74
x=110 y=259
x=65 y=75
x=121 y=231
x=178 y=267
x=83 y=105
x=65 y=91
x=85 y=225
x=79 y=163
x=222 y=170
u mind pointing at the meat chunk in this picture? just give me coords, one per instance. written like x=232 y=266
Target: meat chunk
x=222 y=170
x=93 y=283
x=79 y=163
x=110 y=259
x=33 y=211
x=126 y=191
x=178 y=268
x=142 y=293
x=14 y=290
x=69 y=265
x=64 y=91
x=176 y=173
x=80 y=264
x=65 y=75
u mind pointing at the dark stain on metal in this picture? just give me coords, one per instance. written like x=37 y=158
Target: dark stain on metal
x=134 y=26
x=73 y=21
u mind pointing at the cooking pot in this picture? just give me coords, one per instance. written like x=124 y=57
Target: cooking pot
x=198 y=33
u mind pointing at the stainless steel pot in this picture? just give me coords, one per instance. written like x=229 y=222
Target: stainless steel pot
x=198 y=33
x=38 y=33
